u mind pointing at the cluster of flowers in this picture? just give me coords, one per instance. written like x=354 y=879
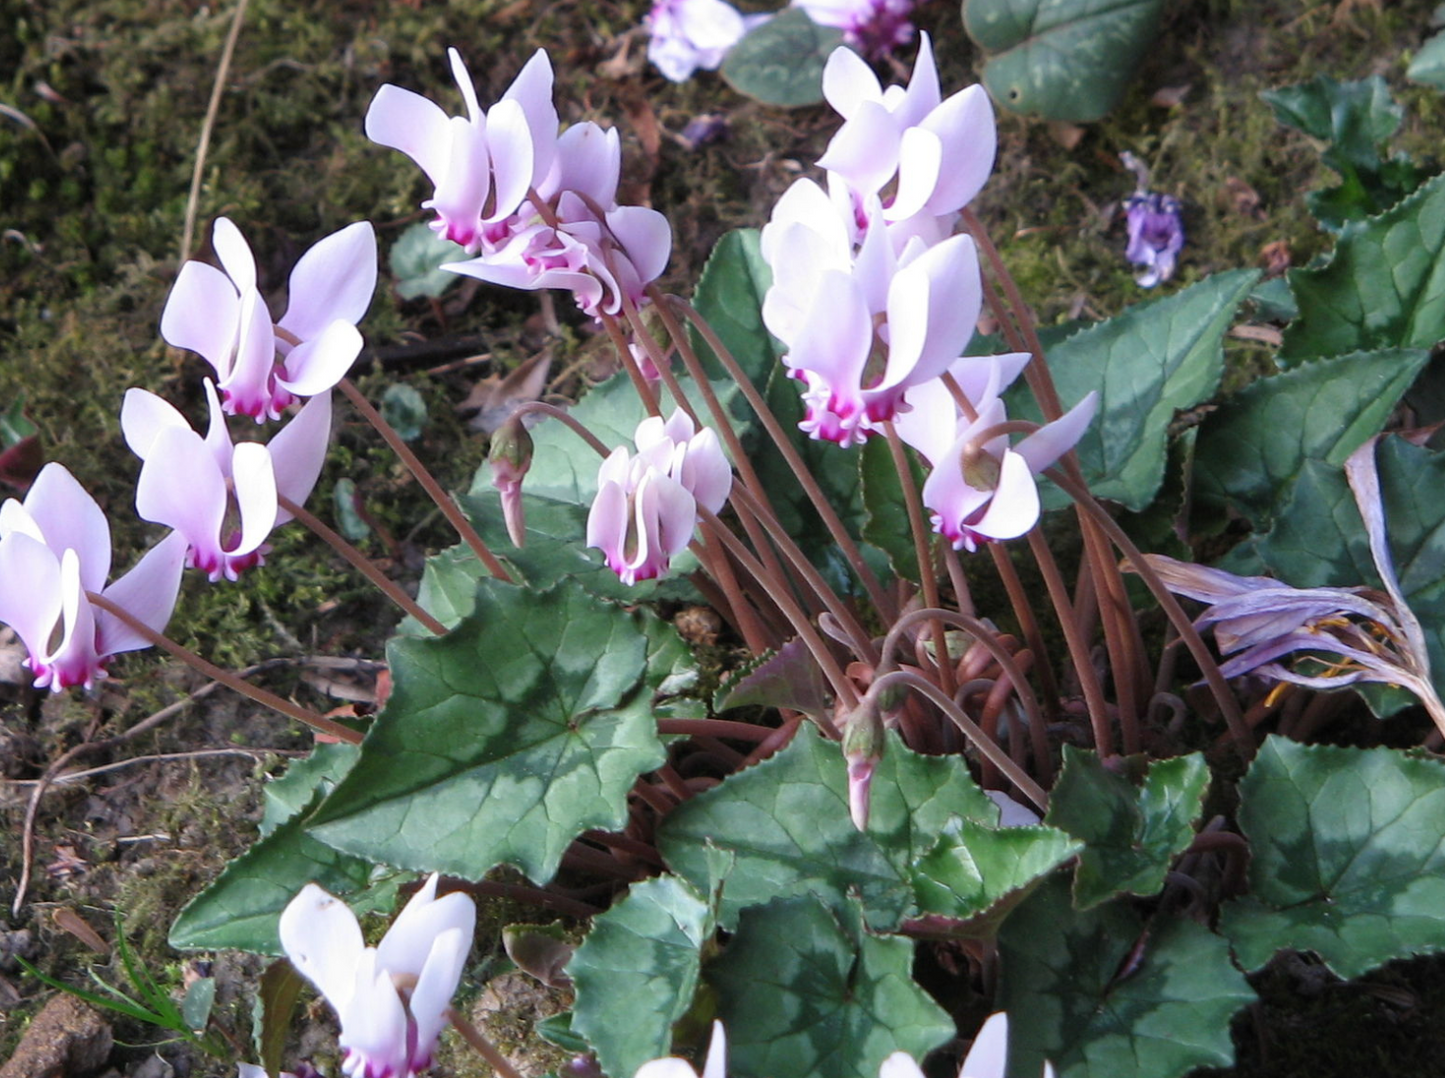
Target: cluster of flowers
x=876 y=298
x=536 y=208
x=685 y=35
x=221 y=498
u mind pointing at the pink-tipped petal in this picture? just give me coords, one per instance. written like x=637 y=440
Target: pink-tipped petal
x=182 y=487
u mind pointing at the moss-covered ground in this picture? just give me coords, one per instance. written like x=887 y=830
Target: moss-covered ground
x=103 y=106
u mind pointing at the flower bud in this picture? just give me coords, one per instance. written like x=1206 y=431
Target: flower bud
x=510 y=456
x=863 y=742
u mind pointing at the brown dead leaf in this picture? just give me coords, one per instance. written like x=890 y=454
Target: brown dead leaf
x=1263 y=334
x=1243 y=198
x=67 y=920
x=497 y=396
x=1065 y=134
x=1275 y=258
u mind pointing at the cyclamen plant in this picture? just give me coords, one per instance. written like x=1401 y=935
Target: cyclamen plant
x=939 y=740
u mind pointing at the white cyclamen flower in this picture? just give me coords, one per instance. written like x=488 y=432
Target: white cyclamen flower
x=391 y=999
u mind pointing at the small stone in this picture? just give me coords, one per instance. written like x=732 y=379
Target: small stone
x=67 y=1039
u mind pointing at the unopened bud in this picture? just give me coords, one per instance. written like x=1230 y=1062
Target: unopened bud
x=864 y=739
x=510 y=456
x=657 y=330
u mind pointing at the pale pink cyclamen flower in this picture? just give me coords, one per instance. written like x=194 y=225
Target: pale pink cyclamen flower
x=481 y=164
x=861 y=323
x=987 y=1057
x=538 y=210
x=54 y=548
x=931 y=155
x=873 y=27
x=647 y=505
x=716 y=1065
x=261 y=366
x=223 y=497
x=684 y=35
x=391 y=999
x=981 y=487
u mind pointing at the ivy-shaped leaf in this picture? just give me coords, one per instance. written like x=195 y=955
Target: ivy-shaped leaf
x=1146 y=364
x=803 y=988
x=1131 y=827
x=973 y=868
x=416 y=259
x=1384 y=286
x=503 y=740
x=787 y=822
x=1348 y=856
x=1065 y=60
x=781 y=62
x=1103 y=994
x=642 y=959
x=1252 y=448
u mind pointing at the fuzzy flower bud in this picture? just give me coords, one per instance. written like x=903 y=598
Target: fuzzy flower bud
x=510 y=456
x=864 y=740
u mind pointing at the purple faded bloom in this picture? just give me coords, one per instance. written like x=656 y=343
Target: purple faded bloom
x=647 y=505
x=982 y=488
x=262 y=367
x=874 y=27
x=1258 y=621
x=1156 y=235
x=54 y=549
x=391 y=999
x=684 y=35
x=223 y=497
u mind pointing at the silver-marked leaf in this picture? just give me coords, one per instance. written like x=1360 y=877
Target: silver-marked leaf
x=1146 y=364
x=641 y=959
x=502 y=741
x=781 y=62
x=1384 y=286
x=973 y=868
x=1252 y=448
x=1131 y=827
x=787 y=822
x=1348 y=856
x=416 y=259
x=1103 y=994
x=804 y=989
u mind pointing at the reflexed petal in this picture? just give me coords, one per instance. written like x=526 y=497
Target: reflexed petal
x=143 y=416
x=965 y=125
x=254 y=485
x=181 y=486
x=1014 y=508
x=441 y=970
x=706 y=472
x=933 y=306
x=931 y=423
x=408 y=942
x=148 y=592
x=373 y=1020
x=589 y=161
x=69 y=519
x=710 y=24
x=464 y=183
x=848 y=82
x=74 y=660
x=645 y=236
x=30 y=600
x=988 y=1057
x=1052 y=441
x=468 y=89
x=201 y=314
x=408 y=122
x=836 y=335
x=235 y=254
x=322 y=938
x=607 y=520
x=333 y=280
x=532 y=89
x=247 y=386
x=920 y=161
x=923 y=94
x=865 y=149
x=513 y=152
x=298 y=452
x=323 y=360
x=670 y=1067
